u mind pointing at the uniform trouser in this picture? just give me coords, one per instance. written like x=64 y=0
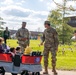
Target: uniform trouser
x=46 y=55
x=5 y=40
x=22 y=48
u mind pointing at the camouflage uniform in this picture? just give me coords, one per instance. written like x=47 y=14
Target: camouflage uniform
x=51 y=44
x=23 y=33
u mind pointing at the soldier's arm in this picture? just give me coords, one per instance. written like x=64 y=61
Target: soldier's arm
x=56 y=41
x=43 y=37
x=18 y=35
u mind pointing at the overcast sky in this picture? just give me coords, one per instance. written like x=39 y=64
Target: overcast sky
x=34 y=12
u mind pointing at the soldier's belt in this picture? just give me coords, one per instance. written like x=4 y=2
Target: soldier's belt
x=25 y=39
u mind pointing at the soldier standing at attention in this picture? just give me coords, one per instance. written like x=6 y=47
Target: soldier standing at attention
x=50 y=37
x=23 y=37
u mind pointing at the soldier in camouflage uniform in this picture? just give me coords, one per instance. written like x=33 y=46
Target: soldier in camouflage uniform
x=50 y=37
x=23 y=37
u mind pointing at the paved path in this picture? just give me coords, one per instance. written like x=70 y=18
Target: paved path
x=59 y=73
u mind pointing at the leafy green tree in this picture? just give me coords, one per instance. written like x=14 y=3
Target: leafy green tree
x=1 y=18
x=56 y=19
x=1 y=28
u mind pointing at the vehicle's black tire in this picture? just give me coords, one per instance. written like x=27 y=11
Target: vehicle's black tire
x=2 y=74
x=2 y=71
x=37 y=73
x=25 y=73
x=33 y=73
x=14 y=74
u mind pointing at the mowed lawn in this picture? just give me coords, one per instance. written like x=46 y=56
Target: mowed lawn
x=66 y=55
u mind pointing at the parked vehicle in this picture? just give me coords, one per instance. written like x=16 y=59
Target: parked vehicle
x=21 y=64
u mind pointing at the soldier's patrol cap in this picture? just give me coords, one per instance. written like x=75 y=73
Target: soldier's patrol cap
x=47 y=22
x=23 y=22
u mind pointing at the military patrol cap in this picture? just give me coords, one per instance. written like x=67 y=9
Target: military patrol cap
x=47 y=22
x=23 y=22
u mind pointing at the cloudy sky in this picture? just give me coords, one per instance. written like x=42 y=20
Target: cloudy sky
x=34 y=12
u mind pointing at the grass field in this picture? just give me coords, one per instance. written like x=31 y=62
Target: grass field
x=66 y=56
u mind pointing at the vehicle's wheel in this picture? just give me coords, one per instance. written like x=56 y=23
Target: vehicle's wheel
x=2 y=71
x=25 y=73
x=33 y=73
x=2 y=74
x=37 y=73
x=14 y=74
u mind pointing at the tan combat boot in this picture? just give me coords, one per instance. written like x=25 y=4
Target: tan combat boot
x=54 y=70
x=46 y=70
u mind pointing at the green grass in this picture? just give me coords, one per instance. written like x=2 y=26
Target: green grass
x=65 y=61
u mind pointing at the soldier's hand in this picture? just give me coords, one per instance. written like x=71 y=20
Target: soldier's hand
x=41 y=43
x=23 y=39
x=56 y=49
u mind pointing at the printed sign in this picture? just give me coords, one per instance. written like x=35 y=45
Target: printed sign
x=37 y=59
